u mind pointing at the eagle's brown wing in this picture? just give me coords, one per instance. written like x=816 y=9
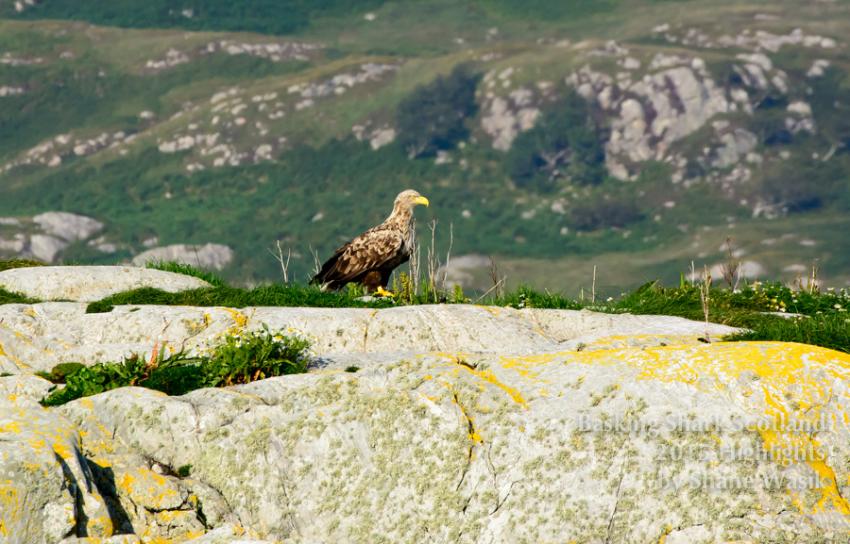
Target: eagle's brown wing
x=372 y=250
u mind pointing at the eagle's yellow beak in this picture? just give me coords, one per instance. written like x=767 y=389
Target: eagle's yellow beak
x=421 y=200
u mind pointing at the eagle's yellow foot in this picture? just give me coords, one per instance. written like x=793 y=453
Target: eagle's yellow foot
x=381 y=292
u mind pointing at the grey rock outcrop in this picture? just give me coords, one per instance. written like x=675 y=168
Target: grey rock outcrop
x=209 y=256
x=68 y=226
x=613 y=445
x=90 y=283
x=46 y=486
x=29 y=333
x=459 y=423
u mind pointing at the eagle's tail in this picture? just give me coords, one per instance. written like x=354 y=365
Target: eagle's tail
x=322 y=278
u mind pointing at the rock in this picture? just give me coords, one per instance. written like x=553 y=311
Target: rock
x=381 y=137
x=818 y=68
x=46 y=248
x=474 y=424
x=46 y=487
x=68 y=226
x=30 y=333
x=801 y=108
x=655 y=112
x=16 y=245
x=90 y=283
x=6 y=90
x=209 y=256
x=626 y=443
x=735 y=145
x=506 y=118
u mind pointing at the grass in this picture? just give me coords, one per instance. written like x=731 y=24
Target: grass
x=186 y=270
x=234 y=297
x=9 y=264
x=7 y=297
x=811 y=317
x=238 y=359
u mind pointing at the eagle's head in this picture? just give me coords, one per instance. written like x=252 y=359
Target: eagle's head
x=409 y=199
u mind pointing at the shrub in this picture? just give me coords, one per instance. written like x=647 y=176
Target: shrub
x=805 y=184
x=434 y=116
x=564 y=146
x=240 y=358
x=602 y=212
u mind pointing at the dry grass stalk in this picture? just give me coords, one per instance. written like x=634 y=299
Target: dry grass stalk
x=813 y=280
x=317 y=263
x=593 y=287
x=497 y=279
x=705 y=298
x=732 y=267
x=433 y=261
x=415 y=263
x=284 y=263
x=448 y=256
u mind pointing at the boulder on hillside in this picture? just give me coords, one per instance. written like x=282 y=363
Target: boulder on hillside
x=90 y=283
x=68 y=226
x=207 y=256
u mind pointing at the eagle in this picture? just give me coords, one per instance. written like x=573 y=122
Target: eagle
x=369 y=259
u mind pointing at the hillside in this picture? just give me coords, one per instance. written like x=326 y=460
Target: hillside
x=633 y=135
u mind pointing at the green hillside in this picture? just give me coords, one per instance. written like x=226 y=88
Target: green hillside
x=633 y=135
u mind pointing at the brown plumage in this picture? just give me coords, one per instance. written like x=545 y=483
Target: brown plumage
x=370 y=258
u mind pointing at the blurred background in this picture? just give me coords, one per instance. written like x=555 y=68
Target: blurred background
x=640 y=137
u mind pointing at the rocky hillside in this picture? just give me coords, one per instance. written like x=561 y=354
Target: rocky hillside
x=632 y=135
x=451 y=423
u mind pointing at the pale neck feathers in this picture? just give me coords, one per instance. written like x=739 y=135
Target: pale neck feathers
x=401 y=218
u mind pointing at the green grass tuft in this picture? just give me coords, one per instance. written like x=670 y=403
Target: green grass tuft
x=7 y=297
x=238 y=359
x=233 y=297
x=186 y=270
x=18 y=263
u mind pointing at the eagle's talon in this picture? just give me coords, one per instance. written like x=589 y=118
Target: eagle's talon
x=381 y=292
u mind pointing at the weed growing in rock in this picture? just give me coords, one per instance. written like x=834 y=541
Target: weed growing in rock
x=7 y=297
x=239 y=358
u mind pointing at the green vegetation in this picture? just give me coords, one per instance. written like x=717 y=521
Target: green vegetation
x=7 y=297
x=564 y=147
x=187 y=270
x=9 y=264
x=434 y=116
x=264 y=16
x=812 y=317
x=233 y=297
x=240 y=358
